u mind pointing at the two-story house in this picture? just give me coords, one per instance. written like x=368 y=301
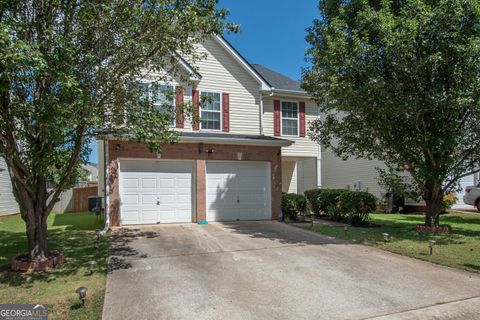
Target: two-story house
x=249 y=146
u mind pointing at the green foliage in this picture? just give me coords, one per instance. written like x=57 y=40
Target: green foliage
x=448 y=201
x=293 y=205
x=358 y=205
x=66 y=75
x=398 y=82
x=458 y=248
x=397 y=184
x=325 y=202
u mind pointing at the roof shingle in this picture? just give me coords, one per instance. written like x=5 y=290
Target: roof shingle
x=277 y=80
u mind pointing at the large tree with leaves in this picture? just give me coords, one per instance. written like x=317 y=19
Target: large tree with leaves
x=399 y=81
x=66 y=69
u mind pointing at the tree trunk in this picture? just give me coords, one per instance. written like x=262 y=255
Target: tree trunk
x=433 y=199
x=34 y=210
x=37 y=234
x=432 y=216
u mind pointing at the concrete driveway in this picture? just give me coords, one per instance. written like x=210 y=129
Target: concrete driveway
x=269 y=270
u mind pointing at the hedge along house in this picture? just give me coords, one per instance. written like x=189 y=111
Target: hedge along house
x=249 y=146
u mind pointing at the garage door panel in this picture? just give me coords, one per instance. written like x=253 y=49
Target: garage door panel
x=237 y=190
x=149 y=199
x=144 y=183
x=130 y=183
x=149 y=215
x=149 y=183
x=185 y=183
x=129 y=215
x=167 y=183
x=130 y=199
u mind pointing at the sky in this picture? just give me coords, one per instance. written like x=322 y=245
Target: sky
x=272 y=33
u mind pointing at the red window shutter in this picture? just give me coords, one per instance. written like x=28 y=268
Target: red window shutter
x=225 y=112
x=180 y=117
x=276 y=117
x=196 y=109
x=302 y=119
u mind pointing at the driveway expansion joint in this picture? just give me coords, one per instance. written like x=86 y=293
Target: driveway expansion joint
x=132 y=258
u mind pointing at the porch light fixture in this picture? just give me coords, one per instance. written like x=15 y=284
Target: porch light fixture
x=92 y=264
x=240 y=156
x=82 y=294
x=386 y=237
x=431 y=244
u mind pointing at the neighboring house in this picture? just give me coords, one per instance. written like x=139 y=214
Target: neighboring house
x=360 y=174
x=8 y=204
x=249 y=147
x=92 y=171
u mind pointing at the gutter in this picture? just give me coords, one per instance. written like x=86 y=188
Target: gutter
x=237 y=141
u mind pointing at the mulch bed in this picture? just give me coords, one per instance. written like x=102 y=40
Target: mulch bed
x=425 y=229
x=23 y=263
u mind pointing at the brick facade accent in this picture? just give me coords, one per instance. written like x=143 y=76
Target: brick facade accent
x=194 y=151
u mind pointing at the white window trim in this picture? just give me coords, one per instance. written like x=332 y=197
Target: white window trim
x=162 y=83
x=298 y=119
x=220 y=111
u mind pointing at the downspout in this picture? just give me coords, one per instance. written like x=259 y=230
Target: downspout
x=262 y=109
x=106 y=187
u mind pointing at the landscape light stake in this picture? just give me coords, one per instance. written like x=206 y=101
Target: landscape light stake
x=431 y=243
x=386 y=237
x=92 y=264
x=95 y=245
x=345 y=229
x=98 y=233
x=82 y=294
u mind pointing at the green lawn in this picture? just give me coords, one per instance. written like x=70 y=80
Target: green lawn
x=73 y=234
x=459 y=249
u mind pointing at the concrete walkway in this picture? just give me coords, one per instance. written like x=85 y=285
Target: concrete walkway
x=269 y=270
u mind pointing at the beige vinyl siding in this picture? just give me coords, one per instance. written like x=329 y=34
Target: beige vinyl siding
x=302 y=146
x=222 y=73
x=8 y=204
x=306 y=174
x=289 y=176
x=338 y=173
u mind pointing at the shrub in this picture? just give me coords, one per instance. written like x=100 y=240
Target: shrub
x=448 y=201
x=293 y=205
x=322 y=200
x=357 y=204
x=336 y=213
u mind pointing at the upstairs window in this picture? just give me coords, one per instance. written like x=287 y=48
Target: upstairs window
x=211 y=111
x=289 y=118
x=161 y=95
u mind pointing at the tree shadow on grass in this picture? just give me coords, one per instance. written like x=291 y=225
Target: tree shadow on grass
x=74 y=242
x=454 y=222
x=472 y=266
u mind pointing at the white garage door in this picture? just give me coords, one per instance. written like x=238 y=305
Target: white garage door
x=238 y=191
x=155 y=191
